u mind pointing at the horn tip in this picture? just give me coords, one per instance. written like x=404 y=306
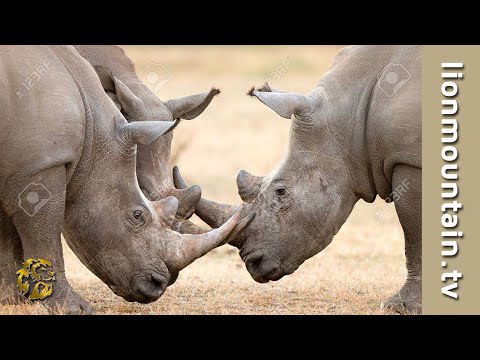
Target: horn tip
x=241 y=174
x=196 y=189
x=178 y=180
x=249 y=218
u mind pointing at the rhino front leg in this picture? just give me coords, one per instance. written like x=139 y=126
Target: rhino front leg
x=38 y=219
x=11 y=257
x=407 y=185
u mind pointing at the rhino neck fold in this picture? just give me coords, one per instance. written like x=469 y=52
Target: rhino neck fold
x=345 y=93
x=100 y=117
x=153 y=164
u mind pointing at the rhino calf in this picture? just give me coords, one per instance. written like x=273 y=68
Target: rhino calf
x=65 y=137
x=355 y=136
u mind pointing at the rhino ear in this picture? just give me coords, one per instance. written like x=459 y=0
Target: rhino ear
x=267 y=88
x=284 y=104
x=129 y=102
x=189 y=107
x=106 y=78
x=146 y=132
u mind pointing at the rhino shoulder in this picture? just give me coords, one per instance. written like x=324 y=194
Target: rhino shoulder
x=42 y=117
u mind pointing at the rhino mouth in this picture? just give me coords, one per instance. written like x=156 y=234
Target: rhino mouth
x=264 y=269
x=148 y=287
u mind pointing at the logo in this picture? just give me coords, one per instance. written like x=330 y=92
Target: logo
x=35 y=279
x=393 y=78
x=155 y=76
x=33 y=198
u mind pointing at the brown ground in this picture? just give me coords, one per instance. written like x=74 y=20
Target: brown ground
x=363 y=265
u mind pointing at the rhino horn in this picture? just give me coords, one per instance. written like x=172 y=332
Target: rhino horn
x=248 y=185
x=166 y=209
x=284 y=104
x=213 y=213
x=187 y=199
x=183 y=249
x=189 y=107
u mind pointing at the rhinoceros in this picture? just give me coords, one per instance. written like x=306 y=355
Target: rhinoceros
x=138 y=103
x=355 y=136
x=67 y=164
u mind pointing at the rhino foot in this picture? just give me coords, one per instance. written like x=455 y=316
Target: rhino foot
x=407 y=301
x=67 y=301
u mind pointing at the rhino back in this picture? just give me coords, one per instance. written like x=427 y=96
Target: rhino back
x=394 y=123
x=42 y=118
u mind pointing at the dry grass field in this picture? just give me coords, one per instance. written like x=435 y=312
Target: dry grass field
x=363 y=265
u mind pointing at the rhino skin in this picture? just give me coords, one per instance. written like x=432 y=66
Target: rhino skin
x=66 y=136
x=355 y=136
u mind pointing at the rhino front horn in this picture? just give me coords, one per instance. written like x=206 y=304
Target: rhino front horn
x=248 y=185
x=183 y=249
x=213 y=213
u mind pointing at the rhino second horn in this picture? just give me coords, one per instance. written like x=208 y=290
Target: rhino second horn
x=248 y=185
x=168 y=208
x=213 y=213
x=183 y=249
x=187 y=200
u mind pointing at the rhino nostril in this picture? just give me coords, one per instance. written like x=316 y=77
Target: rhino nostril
x=158 y=280
x=254 y=259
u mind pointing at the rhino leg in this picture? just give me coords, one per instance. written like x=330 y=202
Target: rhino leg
x=409 y=210
x=40 y=234
x=11 y=257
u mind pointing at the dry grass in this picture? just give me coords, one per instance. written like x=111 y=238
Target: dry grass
x=363 y=265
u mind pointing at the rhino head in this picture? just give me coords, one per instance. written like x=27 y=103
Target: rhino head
x=137 y=103
x=120 y=235
x=302 y=204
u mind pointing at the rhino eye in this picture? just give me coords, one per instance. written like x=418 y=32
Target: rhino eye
x=280 y=191
x=137 y=214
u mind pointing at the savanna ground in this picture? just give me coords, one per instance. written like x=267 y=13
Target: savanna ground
x=363 y=265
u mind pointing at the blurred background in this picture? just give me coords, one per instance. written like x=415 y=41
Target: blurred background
x=235 y=132
x=365 y=263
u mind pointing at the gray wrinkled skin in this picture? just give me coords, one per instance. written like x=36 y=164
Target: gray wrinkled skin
x=349 y=140
x=65 y=134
